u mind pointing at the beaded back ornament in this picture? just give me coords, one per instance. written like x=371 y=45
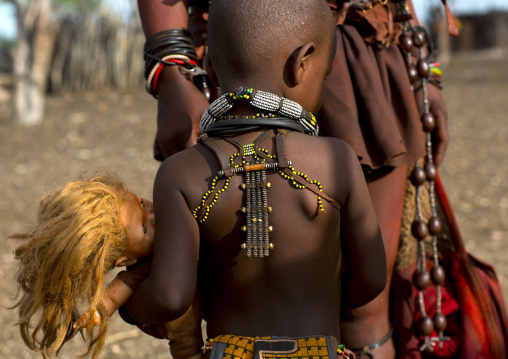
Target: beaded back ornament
x=253 y=161
x=416 y=38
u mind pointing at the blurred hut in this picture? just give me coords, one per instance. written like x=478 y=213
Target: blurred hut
x=72 y=46
x=482 y=31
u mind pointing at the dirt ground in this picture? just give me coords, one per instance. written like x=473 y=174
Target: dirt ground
x=114 y=131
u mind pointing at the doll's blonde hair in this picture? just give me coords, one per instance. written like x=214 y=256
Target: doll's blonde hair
x=63 y=262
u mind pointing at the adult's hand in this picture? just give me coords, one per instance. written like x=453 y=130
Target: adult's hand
x=180 y=107
x=440 y=135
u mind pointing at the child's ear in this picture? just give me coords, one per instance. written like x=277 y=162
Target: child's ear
x=123 y=261
x=298 y=62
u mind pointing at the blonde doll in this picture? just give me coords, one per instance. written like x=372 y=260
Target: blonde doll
x=84 y=230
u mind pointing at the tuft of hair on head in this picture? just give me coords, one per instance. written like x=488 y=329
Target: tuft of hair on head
x=247 y=37
x=63 y=261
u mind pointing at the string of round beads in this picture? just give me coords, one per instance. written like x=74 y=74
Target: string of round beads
x=205 y=198
x=415 y=38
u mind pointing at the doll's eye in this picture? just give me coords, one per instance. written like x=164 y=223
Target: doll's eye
x=144 y=229
x=143 y=206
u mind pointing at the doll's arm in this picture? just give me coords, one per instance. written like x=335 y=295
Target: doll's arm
x=115 y=295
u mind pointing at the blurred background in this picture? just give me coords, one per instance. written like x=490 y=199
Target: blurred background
x=72 y=99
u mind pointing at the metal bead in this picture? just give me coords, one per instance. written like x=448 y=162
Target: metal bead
x=418 y=176
x=437 y=274
x=423 y=68
x=421 y=279
x=412 y=72
x=428 y=122
x=418 y=38
x=206 y=91
x=406 y=42
x=240 y=90
x=425 y=326
x=430 y=171
x=435 y=226
x=440 y=322
x=419 y=230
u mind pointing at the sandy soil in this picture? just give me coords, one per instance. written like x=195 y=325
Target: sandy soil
x=114 y=131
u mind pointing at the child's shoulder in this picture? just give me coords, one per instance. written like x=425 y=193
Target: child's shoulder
x=330 y=148
x=181 y=166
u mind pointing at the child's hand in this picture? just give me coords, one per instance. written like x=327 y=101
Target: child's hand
x=81 y=322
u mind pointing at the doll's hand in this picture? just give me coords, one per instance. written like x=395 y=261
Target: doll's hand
x=180 y=107
x=81 y=322
x=440 y=135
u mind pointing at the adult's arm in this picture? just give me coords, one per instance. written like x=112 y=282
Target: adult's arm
x=159 y=15
x=362 y=244
x=180 y=103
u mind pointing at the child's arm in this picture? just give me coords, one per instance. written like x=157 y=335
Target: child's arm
x=170 y=289
x=361 y=240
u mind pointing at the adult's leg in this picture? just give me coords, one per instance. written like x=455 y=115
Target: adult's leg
x=370 y=323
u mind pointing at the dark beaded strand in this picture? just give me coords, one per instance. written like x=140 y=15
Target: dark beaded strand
x=411 y=38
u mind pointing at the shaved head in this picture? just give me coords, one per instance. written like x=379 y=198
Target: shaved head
x=250 y=37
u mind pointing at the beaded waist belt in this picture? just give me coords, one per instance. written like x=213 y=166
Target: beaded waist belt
x=236 y=347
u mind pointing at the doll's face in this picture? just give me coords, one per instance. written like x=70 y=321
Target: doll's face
x=138 y=220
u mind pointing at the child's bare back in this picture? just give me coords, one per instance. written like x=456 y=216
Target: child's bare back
x=300 y=281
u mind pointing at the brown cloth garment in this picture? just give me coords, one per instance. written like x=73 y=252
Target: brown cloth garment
x=368 y=98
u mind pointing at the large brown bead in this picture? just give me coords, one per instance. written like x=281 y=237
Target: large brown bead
x=412 y=72
x=437 y=275
x=435 y=226
x=406 y=42
x=418 y=176
x=421 y=279
x=418 y=38
x=430 y=171
x=422 y=66
x=425 y=326
x=440 y=322
x=428 y=122
x=419 y=230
